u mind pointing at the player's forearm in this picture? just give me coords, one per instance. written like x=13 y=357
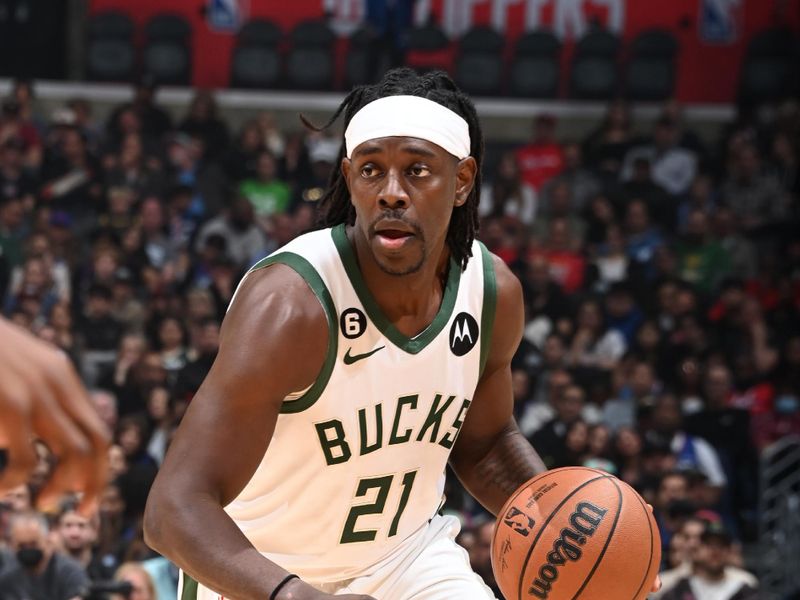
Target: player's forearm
x=510 y=462
x=231 y=566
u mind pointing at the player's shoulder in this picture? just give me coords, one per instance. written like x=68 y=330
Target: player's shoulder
x=509 y=288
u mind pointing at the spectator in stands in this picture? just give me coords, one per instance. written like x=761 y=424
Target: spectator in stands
x=594 y=347
x=202 y=120
x=627 y=454
x=132 y=169
x=752 y=193
x=155 y=121
x=241 y=158
x=567 y=265
x=189 y=166
x=12 y=231
x=15 y=124
x=673 y=167
x=142 y=587
x=558 y=207
x=550 y=440
x=702 y=260
x=635 y=398
x=159 y=416
x=543 y=157
x=607 y=146
x=480 y=556
x=507 y=195
x=643 y=238
x=73 y=178
x=710 y=577
x=691 y=452
x=583 y=185
x=268 y=194
x=16 y=182
x=610 y=260
x=106 y=405
x=740 y=251
x=76 y=535
x=33 y=569
x=244 y=240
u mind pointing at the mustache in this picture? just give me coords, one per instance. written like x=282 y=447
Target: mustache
x=394 y=215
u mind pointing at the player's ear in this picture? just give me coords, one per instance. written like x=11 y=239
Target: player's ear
x=345 y=167
x=465 y=179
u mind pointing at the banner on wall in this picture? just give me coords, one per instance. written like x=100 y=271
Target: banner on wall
x=719 y=21
x=226 y=15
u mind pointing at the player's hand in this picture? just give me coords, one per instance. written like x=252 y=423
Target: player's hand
x=42 y=397
x=657 y=582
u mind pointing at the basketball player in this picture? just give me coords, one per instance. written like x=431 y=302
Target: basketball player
x=354 y=363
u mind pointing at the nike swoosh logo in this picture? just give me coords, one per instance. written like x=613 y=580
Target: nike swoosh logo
x=350 y=359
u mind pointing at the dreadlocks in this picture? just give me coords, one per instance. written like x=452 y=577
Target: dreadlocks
x=335 y=205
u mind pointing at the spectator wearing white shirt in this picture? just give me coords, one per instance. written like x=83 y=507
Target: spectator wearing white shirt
x=672 y=167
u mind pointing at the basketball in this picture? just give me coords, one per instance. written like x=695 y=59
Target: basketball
x=575 y=533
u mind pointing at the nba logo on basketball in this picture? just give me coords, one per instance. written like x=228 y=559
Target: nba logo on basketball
x=519 y=521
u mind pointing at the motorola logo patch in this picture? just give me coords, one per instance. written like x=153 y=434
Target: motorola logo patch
x=463 y=334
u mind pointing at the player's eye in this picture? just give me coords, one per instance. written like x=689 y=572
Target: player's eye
x=419 y=171
x=368 y=171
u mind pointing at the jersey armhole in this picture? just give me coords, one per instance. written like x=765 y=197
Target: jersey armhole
x=489 y=305
x=309 y=274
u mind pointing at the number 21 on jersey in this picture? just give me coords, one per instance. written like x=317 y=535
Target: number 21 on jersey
x=383 y=484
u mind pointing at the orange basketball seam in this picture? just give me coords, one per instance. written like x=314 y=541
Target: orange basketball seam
x=544 y=525
x=608 y=539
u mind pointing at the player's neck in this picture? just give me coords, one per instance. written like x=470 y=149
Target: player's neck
x=410 y=302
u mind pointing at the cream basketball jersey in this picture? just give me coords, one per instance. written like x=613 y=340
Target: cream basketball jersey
x=356 y=464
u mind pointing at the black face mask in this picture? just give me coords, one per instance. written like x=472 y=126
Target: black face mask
x=30 y=557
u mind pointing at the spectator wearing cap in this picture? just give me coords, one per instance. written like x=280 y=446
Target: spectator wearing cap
x=640 y=186
x=711 y=578
x=126 y=307
x=268 y=194
x=635 y=397
x=672 y=166
x=188 y=166
x=543 y=157
x=99 y=331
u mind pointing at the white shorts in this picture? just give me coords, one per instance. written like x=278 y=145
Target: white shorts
x=434 y=568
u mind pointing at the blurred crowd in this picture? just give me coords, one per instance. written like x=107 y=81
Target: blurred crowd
x=661 y=273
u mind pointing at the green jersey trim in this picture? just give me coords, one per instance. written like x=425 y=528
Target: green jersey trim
x=407 y=344
x=314 y=281
x=189 y=591
x=489 y=304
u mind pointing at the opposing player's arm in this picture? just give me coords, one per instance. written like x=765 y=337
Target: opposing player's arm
x=491 y=457
x=273 y=342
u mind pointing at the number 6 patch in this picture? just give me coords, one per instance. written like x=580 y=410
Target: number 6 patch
x=353 y=323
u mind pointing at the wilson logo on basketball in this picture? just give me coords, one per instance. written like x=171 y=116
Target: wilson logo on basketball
x=567 y=547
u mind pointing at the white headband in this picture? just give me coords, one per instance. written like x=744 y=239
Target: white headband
x=409 y=116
